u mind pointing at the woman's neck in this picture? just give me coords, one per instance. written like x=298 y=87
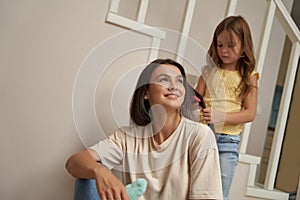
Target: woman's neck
x=170 y=124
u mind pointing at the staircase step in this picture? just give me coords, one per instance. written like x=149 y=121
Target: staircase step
x=259 y=191
x=250 y=159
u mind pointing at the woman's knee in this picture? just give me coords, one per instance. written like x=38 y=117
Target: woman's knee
x=85 y=189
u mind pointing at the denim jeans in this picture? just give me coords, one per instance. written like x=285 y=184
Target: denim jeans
x=228 y=146
x=85 y=189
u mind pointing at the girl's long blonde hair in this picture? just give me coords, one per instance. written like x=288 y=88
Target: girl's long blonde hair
x=246 y=64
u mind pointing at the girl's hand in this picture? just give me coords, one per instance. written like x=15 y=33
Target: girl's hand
x=213 y=116
x=207 y=115
x=109 y=187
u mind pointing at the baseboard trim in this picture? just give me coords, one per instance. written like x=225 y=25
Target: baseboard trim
x=256 y=191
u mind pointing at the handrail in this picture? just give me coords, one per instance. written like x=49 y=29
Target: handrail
x=287 y=22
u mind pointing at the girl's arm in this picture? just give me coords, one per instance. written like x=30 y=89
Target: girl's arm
x=84 y=165
x=201 y=86
x=243 y=116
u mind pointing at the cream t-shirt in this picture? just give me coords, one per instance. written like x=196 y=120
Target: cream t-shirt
x=185 y=166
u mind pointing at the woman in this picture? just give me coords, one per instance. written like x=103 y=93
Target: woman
x=175 y=155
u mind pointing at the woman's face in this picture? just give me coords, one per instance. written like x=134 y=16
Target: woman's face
x=166 y=87
x=229 y=49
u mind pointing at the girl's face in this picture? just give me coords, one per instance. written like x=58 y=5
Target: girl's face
x=229 y=49
x=166 y=87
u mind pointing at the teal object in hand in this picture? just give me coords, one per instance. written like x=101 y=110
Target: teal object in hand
x=136 y=189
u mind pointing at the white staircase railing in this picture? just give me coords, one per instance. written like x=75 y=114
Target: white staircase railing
x=278 y=10
x=294 y=35
x=275 y=8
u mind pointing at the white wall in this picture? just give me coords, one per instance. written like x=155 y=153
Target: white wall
x=43 y=44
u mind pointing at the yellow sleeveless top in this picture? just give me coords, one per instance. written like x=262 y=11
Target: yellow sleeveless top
x=222 y=93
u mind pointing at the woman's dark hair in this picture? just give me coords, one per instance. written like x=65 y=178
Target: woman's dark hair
x=139 y=108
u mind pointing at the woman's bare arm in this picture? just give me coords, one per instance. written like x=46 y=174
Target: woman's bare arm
x=84 y=165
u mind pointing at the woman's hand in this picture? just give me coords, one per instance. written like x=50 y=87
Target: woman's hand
x=109 y=187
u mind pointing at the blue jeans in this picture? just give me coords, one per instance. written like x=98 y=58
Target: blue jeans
x=85 y=189
x=228 y=146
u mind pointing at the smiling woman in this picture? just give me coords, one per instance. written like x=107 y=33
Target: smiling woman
x=161 y=140
x=167 y=87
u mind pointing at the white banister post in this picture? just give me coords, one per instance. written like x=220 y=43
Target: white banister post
x=154 y=49
x=245 y=138
x=186 y=30
x=264 y=40
x=114 y=6
x=262 y=49
x=142 y=11
x=231 y=8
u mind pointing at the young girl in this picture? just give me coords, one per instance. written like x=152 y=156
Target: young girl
x=229 y=87
x=176 y=156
